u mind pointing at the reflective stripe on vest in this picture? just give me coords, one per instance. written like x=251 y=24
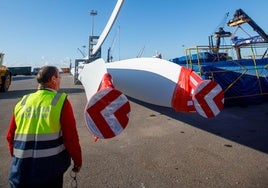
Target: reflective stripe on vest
x=36 y=137
x=37 y=118
x=38 y=153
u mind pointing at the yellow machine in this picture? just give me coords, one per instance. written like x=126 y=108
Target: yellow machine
x=5 y=75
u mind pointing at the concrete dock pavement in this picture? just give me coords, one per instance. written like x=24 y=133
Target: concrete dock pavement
x=160 y=147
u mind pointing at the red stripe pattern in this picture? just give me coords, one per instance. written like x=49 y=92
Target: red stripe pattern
x=107 y=112
x=208 y=98
x=192 y=93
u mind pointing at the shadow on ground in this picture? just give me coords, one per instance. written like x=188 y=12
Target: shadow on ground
x=246 y=126
x=17 y=78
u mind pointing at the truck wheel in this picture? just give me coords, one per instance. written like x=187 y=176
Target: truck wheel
x=6 y=82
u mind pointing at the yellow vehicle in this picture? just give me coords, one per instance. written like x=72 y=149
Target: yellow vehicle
x=5 y=75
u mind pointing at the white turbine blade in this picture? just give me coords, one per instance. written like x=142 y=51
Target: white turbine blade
x=108 y=26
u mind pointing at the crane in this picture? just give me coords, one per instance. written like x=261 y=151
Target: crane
x=240 y=17
x=221 y=33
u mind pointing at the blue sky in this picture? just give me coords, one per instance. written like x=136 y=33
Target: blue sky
x=39 y=32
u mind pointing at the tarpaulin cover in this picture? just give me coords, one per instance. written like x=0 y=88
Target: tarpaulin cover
x=238 y=84
x=238 y=79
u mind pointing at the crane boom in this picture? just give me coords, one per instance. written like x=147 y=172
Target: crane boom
x=241 y=17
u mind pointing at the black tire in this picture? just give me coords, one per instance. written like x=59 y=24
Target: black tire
x=6 y=81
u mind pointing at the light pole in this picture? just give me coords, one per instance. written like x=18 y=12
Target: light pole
x=93 y=13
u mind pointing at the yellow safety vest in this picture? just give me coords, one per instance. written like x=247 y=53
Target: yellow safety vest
x=37 y=117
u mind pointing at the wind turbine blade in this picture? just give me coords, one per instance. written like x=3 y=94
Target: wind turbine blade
x=108 y=26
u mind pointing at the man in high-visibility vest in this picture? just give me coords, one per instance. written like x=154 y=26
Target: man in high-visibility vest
x=42 y=135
